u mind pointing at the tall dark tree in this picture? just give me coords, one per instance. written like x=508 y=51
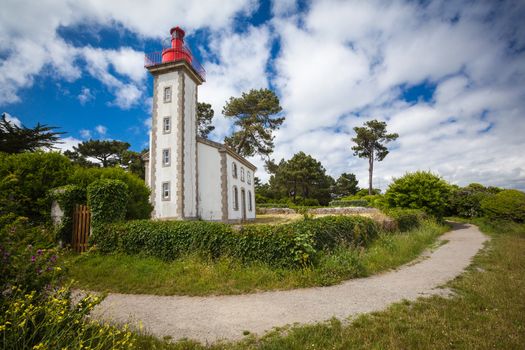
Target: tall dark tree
x=346 y=185
x=109 y=153
x=304 y=176
x=204 y=117
x=134 y=162
x=255 y=115
x=17 y=139
x=370 y=143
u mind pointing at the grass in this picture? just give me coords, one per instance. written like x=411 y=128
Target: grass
x=487 y=311
x=193 y=275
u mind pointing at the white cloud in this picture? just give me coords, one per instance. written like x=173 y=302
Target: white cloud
x=101 y=130
x=11 y=119
x=67 y=143
x=85 y=96
x=85 y=134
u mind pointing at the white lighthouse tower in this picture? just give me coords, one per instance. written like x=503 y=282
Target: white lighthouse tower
x=172 y=165
x=189 y=176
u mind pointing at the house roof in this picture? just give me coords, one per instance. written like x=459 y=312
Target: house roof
x=222 y=147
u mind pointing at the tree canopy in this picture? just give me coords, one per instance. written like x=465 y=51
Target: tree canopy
x=204 y=117
x=255 y=120
x=369 y=143
x=17 y=139
x=346 y=185
x=109 y=153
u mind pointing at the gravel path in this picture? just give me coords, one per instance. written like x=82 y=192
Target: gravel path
x=208 y=319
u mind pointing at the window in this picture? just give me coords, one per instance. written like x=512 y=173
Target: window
x=166 y=125
x=234 y=170
x=167 y=94
x=235 y=198
x=242 y=174
x=249 y=178
x=166 y=191
x=249 y=200
x=166 y=159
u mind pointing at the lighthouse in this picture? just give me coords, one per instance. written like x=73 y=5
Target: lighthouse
x=190 y=177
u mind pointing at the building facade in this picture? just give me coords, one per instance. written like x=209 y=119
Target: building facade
x=190 y=177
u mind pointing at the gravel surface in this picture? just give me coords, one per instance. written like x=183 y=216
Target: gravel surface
x=209 y=319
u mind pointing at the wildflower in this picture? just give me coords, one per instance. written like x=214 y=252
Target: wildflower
x=39 y=252
x=33 y=258
x=53 y=258
x=58 y=268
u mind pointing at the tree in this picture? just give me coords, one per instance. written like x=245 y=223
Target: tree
x=301 y=176
x=420 y=190
x=17 y=139
x=369 y=141
x=204 y=116
x=346 y=185
x=255 y=118
x=109 y=153
x=134 y=162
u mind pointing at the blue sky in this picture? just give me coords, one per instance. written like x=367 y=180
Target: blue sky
x=449 y=77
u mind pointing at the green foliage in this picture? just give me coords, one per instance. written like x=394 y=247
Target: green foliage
x=134 y=162
x=109 y=153
x=204 y=117
x=369 y=143
x=293 y=244
x=254 y=118
x=505 y=205
x=349 y=203
x=407 y=219
x=466 y=201
x=301 y=177
x=25 y=181
x=346 y=185
x=138 y=206
x=420 y=190
x=67 y=197
x=17 y=139
x=107 y=199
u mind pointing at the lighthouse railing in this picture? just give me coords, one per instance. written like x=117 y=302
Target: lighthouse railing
x=155 y=58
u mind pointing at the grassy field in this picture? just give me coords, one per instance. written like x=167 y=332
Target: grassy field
x=487 y=312
x=195 y=276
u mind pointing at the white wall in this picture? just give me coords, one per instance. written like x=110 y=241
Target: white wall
x=237 y=214
x=210 y=199
x=190 y=145
x=166 y=209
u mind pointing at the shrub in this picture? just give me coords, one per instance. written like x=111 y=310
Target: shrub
x=349 y=203
x=107 y=200
x=407 y=219
x=506 y=205
x=466 y=201
x=25 y=181
x=292 y=244
x=138 y=207
x=419 y=190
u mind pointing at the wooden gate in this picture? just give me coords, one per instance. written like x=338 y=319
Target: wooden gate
x=81 y=227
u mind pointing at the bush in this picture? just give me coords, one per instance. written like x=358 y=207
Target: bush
x=419 y=190
x=349 y=203
x=407 y=219
x=506 y=205
x=107 y=200
x=138 y=207
x=292 y=244
x=466 y=201
x=25 y=181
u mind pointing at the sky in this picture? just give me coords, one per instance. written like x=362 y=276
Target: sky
x=447 y=76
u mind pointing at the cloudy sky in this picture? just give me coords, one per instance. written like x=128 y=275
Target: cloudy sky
x=448 y=76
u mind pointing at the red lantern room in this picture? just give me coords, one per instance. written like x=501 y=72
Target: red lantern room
x=176 y=52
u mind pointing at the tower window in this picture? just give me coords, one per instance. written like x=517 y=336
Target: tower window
x=250 y=200
x=242 y=174
x=166 y=125
x=167 y=94
x=166 y=157
x=166 y=191
x=234 y=170
x=235 y=198
x=249 y=178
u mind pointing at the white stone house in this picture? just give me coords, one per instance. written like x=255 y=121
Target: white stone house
x=190 y=177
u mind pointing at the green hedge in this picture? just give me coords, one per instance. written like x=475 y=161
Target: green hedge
x=506 y=205
x=292 y=244
x=67 y=196
x=349 y=203
x=107 y=200
x=407 y=219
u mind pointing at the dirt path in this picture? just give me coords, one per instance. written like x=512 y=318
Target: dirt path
x=208 y=319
